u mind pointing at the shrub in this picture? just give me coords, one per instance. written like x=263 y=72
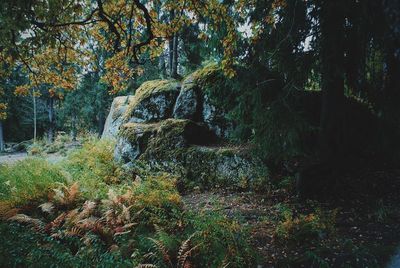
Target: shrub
x=94 y=167
x=306 y=227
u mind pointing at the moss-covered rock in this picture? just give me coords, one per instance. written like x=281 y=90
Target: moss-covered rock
x=132 y=140
x=153 y=101
x=158 y=139
x=184 y=148
x=195 y=100
x=115 y=116
x=188 y=103
x=208 y=166
x=174 y=127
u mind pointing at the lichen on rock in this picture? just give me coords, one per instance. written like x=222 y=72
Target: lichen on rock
x=115 y=116
x=195 y=102
x=153 y=101
x=132 y=141
x=188 y=102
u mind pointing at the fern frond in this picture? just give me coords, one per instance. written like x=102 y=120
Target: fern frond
x=57 y=221
x=87 y=209
x=8 y=213
x=22 y=218
x=75 y=231
x=87 y=223
x=184 y=251
x=183 y=259
x=162 y=249
x=47 y=207
x=225 y=263
x=73 y=193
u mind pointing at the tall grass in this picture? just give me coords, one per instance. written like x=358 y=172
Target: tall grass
x=27 y=180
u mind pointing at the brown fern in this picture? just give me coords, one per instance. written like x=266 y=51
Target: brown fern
x=59 y=220
x=8 y=213
x=163 y=250
x=66 y=195
x=185 y=252
x=74 y=231
x=73 y=193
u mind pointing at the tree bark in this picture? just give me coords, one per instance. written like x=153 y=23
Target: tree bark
x=161 y=66
x=50 y=109
x=174 y=73
x=73 y=128
x=332 y=60
x=101 y=122
x=34 y=117
x=1 y=137
x=171 y=46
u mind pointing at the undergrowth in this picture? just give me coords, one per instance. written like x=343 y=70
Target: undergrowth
x=86 y=211
x=26 y=182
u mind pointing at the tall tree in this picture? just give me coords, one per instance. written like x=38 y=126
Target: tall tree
x=332 y=72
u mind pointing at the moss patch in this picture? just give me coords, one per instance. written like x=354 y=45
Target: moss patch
x=177 y=133
x=148 y=89
x=203 y=77
x=130 y=131
x=208 y=167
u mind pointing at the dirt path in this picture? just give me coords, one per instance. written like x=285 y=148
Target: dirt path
x=12 y=158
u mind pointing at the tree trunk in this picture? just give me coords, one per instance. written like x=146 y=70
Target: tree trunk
x=50 y=109
x=174 y=73
x=161 y=66
x=171 y=46
x=332 y=60
x=34 y=117
x=1 y=137
x=73 y=127
x=391 y=81
x=170 y=55
x=101 y=122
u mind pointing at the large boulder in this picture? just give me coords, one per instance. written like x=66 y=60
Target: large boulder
x=187 y=104
x=115 y=116
x=185 y=148
x=194 y=101
x=153 y=101
x=178 y=128
x=132 y=141
x=157 y=139
x=215 y=118
x=210 y=166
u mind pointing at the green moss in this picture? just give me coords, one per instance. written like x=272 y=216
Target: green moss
x=148 y=89
x=130 y=131
x=204 y=76
x=201 y=166
x=171 y=134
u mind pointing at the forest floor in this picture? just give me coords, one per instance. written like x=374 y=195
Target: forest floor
x=366 y=231
x=362 y=230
